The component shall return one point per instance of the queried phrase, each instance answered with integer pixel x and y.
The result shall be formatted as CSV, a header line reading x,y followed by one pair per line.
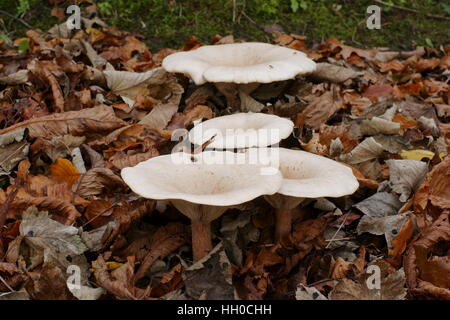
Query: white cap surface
x,y
204,181
242,130
246,62
307,175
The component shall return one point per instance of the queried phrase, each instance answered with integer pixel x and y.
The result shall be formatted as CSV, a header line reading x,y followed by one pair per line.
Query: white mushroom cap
x,y
203,181
242,130
307,175
240,63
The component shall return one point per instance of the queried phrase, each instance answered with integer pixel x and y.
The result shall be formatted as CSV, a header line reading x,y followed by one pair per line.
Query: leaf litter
x,y
78,107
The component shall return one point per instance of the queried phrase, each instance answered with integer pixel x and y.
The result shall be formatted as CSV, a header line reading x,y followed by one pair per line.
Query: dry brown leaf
x,y
63,171
160,116
333,73
163,242
427,272
321,108
37,67
391,286
435,190
99,119
122,160
119,282
99,180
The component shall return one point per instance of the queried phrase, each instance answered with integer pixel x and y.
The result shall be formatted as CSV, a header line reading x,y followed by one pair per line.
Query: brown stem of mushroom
x,y
201,239
283,223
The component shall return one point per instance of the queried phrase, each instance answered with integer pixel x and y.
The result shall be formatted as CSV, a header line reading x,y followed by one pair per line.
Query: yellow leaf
x,y
64,171
95,34
416,154
112,265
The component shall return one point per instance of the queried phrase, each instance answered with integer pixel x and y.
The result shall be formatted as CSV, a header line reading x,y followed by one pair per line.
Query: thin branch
x,y
26,24
6,284
410,10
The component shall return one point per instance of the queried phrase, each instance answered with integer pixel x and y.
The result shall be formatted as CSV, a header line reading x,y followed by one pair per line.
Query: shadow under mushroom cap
x,y
240,63
200,182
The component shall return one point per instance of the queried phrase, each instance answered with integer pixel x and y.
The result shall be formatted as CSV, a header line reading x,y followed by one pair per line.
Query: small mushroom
x,y
245,65
306,175
201,186
241,130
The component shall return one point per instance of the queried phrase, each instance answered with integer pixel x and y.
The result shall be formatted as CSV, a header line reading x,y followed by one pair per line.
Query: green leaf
x,y
23,6
446,8
24,45
294,6
5,38
429,42
303,4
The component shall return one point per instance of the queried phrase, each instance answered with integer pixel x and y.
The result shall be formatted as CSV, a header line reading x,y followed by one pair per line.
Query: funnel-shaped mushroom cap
x,y
240,63
242,130
205,181
307,175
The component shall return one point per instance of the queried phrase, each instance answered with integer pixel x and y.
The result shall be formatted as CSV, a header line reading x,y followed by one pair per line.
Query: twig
x,y
17,19
6,284
435,16
341,239
337,231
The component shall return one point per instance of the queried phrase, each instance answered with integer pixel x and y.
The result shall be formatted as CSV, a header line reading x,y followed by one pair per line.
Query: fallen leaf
x,y
64,171
211,277
321,108
392,286
99,119
333,73
160,116
406,176
381,204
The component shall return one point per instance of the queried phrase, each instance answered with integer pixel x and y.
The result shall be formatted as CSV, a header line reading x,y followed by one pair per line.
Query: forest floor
x,y
78,106
169,23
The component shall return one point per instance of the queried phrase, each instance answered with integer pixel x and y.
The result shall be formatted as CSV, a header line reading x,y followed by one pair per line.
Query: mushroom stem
x,y
201,238
283,223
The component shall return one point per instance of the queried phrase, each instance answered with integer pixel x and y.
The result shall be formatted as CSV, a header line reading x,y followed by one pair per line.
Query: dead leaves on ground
x,y
80,106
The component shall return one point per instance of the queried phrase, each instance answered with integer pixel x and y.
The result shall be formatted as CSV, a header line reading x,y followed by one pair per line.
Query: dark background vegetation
x,y
167,23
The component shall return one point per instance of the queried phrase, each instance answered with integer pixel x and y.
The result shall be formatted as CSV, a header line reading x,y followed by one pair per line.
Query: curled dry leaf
x,y
19,77
11,155
97,181
434,192
367,150
130,159
163,242
160,116
381,204
39,68
343,269
321,108
388,226
405,176
333,73
156,83
119,282
392,285
44,193
99,119
378,125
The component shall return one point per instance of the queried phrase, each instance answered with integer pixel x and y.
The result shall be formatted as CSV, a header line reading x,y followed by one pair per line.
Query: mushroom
x,y
306,175
245,65
201,186
241,130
